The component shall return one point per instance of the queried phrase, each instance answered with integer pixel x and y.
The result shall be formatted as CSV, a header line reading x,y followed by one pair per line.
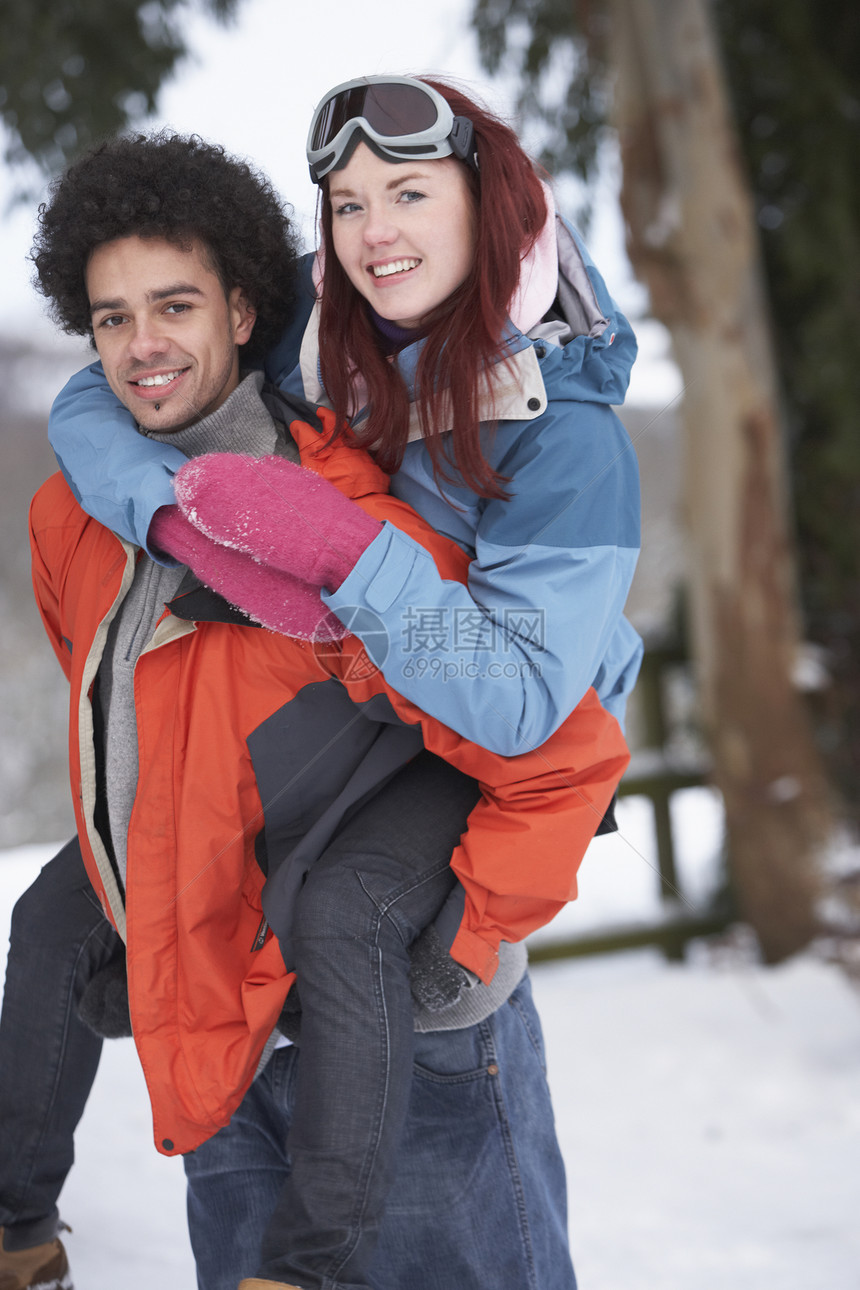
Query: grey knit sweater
x,y
241,424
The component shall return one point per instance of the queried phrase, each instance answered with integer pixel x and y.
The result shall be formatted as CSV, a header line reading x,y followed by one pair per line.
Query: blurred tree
x,y
74,71
691,214
794,73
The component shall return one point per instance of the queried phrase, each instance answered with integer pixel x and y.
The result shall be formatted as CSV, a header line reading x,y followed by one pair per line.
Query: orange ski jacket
x,y
251,746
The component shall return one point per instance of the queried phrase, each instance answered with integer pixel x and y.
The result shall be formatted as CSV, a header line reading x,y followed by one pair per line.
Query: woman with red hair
x,y
460,332
460,326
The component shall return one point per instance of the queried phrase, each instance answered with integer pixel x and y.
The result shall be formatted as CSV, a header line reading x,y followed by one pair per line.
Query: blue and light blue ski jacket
x,y
506,658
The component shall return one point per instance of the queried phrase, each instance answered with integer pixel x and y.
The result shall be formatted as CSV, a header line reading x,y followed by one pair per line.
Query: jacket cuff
x,y
471,952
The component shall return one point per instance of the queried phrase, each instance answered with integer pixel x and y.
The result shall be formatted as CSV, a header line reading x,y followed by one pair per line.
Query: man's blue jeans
x,y
48,1057
478,1199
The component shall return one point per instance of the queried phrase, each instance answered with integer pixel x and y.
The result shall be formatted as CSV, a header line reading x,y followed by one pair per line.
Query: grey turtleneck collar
x,y
241,424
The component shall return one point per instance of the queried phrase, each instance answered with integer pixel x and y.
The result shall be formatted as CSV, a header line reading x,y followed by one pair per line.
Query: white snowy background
x,y
708,1112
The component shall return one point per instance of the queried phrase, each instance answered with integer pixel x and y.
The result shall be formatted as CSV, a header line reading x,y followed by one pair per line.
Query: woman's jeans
x,y
380,882
478,1199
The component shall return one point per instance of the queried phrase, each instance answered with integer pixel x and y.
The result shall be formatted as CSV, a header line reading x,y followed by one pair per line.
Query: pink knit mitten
x,y
282,514
268,596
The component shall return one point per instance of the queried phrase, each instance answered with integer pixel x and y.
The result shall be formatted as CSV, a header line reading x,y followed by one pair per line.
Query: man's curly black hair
x,y
179,188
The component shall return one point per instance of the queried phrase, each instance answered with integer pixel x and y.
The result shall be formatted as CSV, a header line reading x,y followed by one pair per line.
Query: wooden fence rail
x,y
657,774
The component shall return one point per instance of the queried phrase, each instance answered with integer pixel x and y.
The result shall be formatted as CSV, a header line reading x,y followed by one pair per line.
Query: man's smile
x,y
157,385
162,379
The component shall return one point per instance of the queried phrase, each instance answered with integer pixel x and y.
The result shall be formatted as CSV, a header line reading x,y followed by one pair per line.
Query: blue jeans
x,y
478,1198
48,1057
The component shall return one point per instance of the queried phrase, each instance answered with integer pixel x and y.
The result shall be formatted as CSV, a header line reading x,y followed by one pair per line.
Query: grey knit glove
x,y
437,981
290,1020
104,1003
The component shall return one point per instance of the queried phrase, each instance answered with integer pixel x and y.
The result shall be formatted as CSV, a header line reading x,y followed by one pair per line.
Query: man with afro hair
x,y
204,750
180,189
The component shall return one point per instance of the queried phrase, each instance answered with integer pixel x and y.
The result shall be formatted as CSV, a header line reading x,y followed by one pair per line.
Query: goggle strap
x,y
462,141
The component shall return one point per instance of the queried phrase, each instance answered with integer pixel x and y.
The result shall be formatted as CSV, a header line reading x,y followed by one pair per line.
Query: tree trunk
x,y
692,240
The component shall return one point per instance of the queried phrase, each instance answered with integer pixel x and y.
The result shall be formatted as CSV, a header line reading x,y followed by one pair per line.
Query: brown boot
x,y
41,1267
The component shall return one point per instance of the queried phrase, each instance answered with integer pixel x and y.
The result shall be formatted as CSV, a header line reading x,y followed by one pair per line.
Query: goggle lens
x,y
390,110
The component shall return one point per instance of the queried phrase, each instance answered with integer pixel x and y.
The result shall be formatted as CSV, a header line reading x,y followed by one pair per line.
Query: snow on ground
x,y
709,1113
710,1122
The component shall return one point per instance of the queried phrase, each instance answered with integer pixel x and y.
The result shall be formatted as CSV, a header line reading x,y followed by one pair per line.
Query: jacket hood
x,y
559,277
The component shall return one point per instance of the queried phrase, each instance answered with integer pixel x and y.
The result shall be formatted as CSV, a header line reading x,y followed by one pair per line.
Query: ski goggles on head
x,y
402,119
